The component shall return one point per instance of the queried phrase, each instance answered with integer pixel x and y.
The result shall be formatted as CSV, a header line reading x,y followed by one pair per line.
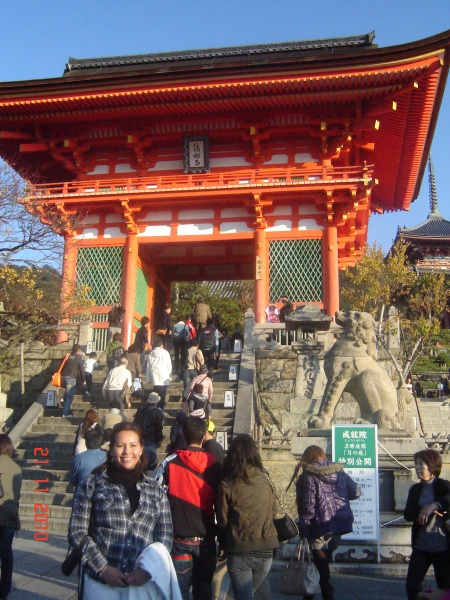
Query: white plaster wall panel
x,y
279,210
163,215
196,229
90,220
114,218
192,215
113,232
242,250
235,227
99,170
229,161
302,157
168,165
277,159
124,168
233,213
309,224
209,251
215,270
173,252
308,209
88,234
281,226
156,231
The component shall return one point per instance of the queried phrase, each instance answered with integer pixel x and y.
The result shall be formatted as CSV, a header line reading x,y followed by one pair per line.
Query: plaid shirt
x,y
117,537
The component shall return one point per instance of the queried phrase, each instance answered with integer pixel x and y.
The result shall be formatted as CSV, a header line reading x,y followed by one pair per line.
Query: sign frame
x,y
356,446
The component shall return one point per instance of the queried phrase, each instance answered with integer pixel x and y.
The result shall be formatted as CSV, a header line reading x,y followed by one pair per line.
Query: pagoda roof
x,y
434,227
389,97
81,64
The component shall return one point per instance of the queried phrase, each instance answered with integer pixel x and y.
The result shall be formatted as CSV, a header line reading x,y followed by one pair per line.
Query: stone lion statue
x,y
351,366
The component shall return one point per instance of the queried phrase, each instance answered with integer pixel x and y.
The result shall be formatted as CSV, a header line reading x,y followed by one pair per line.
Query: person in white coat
x,y
159,369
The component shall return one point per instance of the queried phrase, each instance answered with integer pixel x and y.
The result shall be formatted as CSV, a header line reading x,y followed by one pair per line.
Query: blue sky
x,y
37,38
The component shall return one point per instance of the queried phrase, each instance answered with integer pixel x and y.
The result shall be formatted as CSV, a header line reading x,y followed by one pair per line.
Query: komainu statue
x,y
351,366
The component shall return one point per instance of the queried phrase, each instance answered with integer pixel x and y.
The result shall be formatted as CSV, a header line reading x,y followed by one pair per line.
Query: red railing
x,y
242,178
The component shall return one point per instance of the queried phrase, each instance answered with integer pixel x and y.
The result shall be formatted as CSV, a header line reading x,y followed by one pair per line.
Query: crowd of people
x,y
163,528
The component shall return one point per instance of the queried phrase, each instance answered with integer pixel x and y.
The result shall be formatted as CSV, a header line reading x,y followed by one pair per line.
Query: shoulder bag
x,y
301,577
286,526
56,377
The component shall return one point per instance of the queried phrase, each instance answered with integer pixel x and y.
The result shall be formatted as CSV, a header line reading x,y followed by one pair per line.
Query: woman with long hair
x,y
246,507
426,502
117,512
324,492
90,420
11,478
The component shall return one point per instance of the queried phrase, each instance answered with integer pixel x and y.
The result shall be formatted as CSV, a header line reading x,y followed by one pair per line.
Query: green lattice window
x,y
140,304
101,270
295,270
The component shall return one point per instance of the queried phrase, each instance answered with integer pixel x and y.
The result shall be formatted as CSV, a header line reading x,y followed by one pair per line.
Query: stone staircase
x,y
45,453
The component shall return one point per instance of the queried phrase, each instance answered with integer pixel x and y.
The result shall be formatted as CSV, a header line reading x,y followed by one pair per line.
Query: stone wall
x,y
40,362
275,373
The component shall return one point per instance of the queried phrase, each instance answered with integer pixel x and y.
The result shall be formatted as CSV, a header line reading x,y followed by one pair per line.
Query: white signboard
x,y
232,376
229,399
356,446
222,438
237,346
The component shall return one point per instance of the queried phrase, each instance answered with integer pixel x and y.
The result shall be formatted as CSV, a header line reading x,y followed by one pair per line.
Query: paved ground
x,y
37,575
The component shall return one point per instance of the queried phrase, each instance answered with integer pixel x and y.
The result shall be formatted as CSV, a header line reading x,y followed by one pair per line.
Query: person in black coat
x,y
426,503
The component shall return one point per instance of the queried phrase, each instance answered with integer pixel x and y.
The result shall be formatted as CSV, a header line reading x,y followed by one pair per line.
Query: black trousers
x,y
419,563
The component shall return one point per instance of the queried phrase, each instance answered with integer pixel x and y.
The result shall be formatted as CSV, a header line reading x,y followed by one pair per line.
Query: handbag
x,y
161,331
286,526
71,561
57,377
301,577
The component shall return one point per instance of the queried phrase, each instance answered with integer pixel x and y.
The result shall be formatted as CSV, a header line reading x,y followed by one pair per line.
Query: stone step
x,y
52,474
56,499
56,525
57,487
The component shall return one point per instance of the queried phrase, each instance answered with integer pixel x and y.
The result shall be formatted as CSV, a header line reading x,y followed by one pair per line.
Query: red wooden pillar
x,y
261,275
330,271
69,269
130,257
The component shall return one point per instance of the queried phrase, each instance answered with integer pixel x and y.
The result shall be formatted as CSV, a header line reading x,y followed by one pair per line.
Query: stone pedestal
x,y
309,384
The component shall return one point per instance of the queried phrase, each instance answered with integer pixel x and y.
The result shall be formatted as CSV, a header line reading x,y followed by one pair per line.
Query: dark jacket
x,y
11,475
441,488
245,513
150,419
141,339
74,365
323,494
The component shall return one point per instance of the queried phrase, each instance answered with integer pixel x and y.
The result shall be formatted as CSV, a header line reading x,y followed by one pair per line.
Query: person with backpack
x,y
208,342
115,318
180,339
207,390
73,367
150,419
114,351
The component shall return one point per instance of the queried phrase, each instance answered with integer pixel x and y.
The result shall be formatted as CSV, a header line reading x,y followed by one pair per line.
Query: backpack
x,y
207,338
117,353
180,332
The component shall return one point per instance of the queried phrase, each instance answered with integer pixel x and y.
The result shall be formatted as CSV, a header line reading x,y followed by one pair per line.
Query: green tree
x,y
229,310
379,281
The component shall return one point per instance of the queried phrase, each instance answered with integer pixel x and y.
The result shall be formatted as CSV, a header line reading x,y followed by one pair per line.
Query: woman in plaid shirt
x,y
116,513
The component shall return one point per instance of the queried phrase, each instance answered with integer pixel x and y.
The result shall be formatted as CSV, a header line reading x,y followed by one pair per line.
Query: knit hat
x,y
153,398
198,413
